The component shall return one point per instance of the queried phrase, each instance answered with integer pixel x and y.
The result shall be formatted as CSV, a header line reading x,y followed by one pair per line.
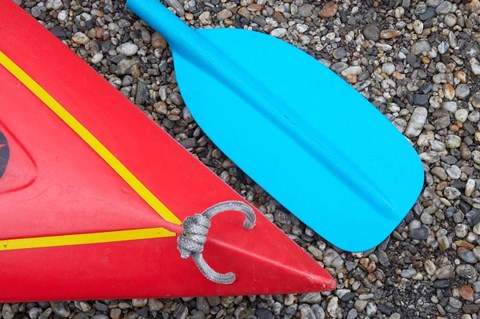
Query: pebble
x,y
127,49
461,230
445,272
461,115
470,187
61,309
62,16
7,311
54,4
415,125
278,32
224,14
306,10
360,305
466,271
444,7
389,34
80,38
420,233
408,273
449,91
332,307
263,313
450,106
158,42
475,100
427,14
371,32
329,10
352,314
311,298
466,255
418,26
462,91
466,292
475,65
420,47
306,312
97,58
453,141
450,20
430,267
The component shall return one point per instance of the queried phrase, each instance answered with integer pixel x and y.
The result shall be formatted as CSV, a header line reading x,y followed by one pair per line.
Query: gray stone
x,y
451,193
466,255
306,312
306,10
408,273
462,91
475,65
352,314
444,7
263,313
427,14
318,311
54,4
311,298
466,271
418,233
61,309
445,272
213,301
332,307
450,20
371,32
443,47
7,311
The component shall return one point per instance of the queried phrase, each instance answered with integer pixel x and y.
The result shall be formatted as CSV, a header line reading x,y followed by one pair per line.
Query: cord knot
x,y
194,237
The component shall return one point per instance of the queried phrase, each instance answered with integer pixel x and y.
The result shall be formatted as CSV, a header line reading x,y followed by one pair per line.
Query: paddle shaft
x,y
189,43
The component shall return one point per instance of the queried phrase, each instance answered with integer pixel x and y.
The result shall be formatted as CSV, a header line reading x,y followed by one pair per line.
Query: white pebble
x,y
469,189
461,115
97,57
279,32
388,68
62,16
418,26
128,49
415,125
475,66
453,141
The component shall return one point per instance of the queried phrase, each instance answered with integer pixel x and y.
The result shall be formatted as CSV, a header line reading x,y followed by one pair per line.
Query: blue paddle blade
x,y
297,129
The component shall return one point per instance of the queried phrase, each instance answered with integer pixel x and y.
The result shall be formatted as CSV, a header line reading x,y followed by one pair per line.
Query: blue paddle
x,y
295,127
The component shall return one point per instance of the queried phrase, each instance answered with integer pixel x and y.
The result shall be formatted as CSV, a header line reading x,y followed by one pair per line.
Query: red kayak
x,y
93,194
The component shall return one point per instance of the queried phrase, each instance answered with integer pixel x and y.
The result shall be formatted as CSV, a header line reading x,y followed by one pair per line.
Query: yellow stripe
x,y
83,239
91,140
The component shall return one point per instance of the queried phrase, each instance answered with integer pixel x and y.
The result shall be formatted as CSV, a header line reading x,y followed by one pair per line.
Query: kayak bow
x,y
90,194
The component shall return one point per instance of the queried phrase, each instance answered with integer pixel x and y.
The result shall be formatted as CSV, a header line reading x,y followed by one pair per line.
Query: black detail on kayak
x,y
4,153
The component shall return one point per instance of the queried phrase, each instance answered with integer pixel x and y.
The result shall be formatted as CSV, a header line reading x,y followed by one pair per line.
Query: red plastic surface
x,y
54,184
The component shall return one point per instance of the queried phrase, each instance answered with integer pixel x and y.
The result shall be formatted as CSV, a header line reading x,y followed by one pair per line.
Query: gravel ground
x,y
417,61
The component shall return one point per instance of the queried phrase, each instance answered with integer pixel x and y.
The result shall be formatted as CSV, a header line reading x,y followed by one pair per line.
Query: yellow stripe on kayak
x,y
90,139
83,239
